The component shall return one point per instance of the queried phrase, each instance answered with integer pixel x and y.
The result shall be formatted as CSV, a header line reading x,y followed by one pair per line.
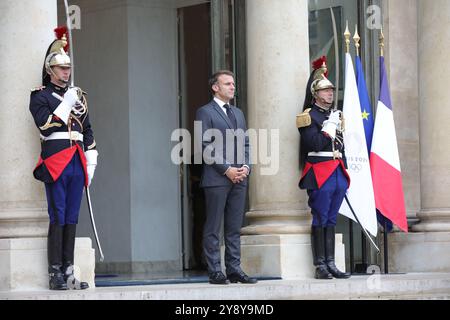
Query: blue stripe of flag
x,y
385,97
366,109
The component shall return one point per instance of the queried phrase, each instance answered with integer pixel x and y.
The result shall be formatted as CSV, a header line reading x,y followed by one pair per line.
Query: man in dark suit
x,y
226,167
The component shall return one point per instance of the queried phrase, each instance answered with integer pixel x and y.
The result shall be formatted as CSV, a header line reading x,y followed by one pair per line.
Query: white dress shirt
x,y
221,104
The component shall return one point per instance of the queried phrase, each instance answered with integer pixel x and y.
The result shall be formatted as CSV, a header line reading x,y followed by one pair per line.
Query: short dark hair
x,y
215,77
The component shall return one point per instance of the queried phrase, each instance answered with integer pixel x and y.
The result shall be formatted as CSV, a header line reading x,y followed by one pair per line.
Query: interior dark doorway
x,y
195,65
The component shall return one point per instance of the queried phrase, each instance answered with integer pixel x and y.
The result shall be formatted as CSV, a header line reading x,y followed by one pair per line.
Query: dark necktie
x,y
231,116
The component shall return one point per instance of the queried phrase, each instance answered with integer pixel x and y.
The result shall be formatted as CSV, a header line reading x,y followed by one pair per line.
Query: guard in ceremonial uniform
x,y
67,161
323,162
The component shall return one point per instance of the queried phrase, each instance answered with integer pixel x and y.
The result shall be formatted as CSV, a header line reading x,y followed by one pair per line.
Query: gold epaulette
x,y
304,119
40,88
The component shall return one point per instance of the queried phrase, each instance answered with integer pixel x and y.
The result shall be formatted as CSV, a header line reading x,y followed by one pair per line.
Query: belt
x,y
73,135
326,154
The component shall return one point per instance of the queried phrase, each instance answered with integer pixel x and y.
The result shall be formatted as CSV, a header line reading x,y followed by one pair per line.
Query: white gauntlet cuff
x,y
330,128
91,157
63,112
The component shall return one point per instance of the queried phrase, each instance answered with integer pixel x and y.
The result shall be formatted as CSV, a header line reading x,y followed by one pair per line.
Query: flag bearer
x,y
323,162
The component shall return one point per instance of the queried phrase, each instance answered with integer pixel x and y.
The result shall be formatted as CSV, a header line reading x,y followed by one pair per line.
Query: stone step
x,y
399,286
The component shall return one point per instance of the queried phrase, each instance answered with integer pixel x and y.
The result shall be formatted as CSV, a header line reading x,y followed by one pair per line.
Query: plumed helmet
x,y
317,81
56,54
320,80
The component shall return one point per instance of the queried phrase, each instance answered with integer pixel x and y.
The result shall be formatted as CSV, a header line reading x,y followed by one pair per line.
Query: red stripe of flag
x,y
388,191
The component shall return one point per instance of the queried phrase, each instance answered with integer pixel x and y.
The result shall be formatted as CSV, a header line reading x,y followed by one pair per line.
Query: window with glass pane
x,y
321,37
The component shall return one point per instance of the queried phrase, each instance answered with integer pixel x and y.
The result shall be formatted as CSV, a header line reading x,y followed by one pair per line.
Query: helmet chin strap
x,y
57,78
323,103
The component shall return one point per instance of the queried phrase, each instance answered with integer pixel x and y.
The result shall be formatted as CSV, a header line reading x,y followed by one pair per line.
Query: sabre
x,y
365,232
336,58
69,29
72,80
91,214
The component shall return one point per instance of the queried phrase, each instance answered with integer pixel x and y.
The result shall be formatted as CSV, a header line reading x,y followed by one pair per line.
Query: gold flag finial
x,y
347,36
357,38
381,42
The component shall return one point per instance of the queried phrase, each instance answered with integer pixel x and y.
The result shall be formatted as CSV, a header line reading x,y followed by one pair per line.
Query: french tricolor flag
x,y
384,159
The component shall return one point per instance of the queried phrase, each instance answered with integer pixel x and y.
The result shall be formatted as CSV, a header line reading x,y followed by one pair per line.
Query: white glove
x,y
335,117
332,124
91,161
65,107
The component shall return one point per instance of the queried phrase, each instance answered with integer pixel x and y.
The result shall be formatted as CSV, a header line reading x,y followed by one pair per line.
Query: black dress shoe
x,y
218,278
241,277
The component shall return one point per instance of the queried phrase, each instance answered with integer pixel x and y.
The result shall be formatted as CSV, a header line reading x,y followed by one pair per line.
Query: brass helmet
x,y
317,81
56,54
320,80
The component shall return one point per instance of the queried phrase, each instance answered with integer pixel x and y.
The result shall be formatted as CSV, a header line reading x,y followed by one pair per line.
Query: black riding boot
x,y
318,251
68,258
329,252
54,254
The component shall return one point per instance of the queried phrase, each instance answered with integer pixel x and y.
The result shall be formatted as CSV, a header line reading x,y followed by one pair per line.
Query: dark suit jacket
x,y
213,117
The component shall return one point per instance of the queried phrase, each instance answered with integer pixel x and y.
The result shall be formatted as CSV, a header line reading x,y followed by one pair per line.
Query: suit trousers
x,y
225,203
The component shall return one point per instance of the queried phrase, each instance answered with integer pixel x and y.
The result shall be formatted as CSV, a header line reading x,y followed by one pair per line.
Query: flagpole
x,y
356,39
350,229
347,36
385,246
385,234
381,43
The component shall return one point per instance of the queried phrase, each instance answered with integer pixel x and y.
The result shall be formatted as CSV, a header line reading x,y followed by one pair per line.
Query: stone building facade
x,y
135,60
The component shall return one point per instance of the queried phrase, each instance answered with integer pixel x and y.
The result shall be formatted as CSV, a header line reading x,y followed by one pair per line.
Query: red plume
x,y
59,32
319,62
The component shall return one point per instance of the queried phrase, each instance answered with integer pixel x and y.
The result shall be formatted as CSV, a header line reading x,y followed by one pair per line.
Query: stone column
x,y
434,69
27,30
277,240
427,247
